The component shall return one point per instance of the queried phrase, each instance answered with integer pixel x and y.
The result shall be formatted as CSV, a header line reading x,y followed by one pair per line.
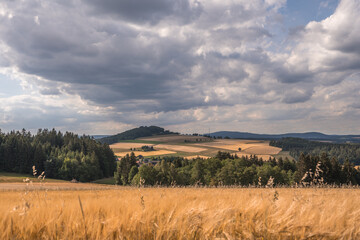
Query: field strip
x,y
52,186
145,154
128,145
180,148
176,138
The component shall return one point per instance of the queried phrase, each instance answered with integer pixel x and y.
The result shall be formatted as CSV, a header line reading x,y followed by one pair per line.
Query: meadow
x,y
180,213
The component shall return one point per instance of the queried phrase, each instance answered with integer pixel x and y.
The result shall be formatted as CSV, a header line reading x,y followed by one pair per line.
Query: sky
x,y
105,66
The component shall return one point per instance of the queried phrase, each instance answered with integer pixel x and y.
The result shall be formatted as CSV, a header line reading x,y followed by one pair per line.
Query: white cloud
x,y
37,20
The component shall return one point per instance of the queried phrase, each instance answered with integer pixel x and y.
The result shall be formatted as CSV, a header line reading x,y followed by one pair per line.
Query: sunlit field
x,y
180,213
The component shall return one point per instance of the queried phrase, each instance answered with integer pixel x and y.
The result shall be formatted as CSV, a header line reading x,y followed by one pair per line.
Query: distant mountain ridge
x,y
308,135
135,133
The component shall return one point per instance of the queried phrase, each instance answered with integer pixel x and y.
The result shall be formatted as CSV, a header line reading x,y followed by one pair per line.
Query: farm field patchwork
x,y
181,213
186,146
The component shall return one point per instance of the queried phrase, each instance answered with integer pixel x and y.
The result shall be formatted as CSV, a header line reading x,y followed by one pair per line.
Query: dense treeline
x,y
63,156
135,133
343,151
227,169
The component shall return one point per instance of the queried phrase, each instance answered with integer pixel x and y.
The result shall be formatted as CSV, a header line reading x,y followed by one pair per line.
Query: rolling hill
x,y
135,133
308,135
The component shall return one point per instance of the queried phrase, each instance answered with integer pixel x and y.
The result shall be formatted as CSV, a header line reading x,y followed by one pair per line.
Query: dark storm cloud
x,y
110,63
147,11
297,96
141,59
123,63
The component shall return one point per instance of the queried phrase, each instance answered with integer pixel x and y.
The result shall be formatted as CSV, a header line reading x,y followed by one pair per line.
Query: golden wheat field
x,y
181,213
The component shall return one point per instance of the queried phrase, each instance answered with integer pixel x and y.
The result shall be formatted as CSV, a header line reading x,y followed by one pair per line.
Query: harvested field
x,y
181,213
262,150
181,148
128,145
176,138
221,142
248,147
146,154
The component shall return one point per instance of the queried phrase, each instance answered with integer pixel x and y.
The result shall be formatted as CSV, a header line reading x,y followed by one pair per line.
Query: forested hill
x,y
308,135
63,156
341,151
135,133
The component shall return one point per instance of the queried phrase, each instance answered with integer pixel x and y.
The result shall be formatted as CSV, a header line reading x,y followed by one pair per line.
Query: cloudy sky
x,y
104,66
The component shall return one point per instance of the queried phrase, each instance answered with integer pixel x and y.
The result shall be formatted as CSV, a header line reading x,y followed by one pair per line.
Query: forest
x,y
69,156
341,151
226,169
62,156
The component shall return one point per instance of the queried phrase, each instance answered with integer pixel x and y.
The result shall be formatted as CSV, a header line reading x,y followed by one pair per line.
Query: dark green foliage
x,y
148,174
123,169
232,170
133,171
135,133
147,148
64,156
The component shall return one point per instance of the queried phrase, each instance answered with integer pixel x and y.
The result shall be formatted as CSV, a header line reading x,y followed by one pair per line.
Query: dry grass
x,y
146,154
181,213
